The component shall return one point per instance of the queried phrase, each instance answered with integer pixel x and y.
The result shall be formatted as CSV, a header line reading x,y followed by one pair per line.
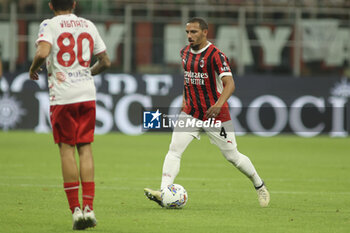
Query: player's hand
x,y
213,111
33,75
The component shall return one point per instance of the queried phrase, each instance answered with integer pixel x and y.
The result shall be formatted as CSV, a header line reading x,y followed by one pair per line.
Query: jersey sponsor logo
x,y
82,79
194,81
79,73
195,78
191,74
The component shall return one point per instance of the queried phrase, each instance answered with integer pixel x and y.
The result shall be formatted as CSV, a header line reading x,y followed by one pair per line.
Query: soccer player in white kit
x,y
208,83
67,43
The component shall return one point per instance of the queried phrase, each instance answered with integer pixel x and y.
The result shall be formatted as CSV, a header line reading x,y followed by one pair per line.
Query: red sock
x,y
72,191
88,194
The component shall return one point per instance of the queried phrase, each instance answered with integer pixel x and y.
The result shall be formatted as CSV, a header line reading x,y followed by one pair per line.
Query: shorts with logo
x,y
73,123
221,135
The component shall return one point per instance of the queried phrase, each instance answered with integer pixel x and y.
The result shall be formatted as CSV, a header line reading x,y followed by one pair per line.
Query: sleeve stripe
x,y
100,52
42,40
225,74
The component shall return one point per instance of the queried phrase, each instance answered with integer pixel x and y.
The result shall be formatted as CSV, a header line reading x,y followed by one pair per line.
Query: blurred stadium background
x,y
291,62
284,54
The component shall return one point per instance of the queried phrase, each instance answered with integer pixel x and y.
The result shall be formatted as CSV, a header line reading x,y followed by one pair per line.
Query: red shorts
x,y
73,123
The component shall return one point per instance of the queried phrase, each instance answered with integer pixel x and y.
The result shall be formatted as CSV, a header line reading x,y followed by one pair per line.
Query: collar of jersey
x,y
69,15
201,50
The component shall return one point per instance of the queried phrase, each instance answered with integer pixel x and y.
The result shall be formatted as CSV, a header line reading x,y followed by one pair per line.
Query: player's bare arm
x,y
229,88
102,63
42,52
183,101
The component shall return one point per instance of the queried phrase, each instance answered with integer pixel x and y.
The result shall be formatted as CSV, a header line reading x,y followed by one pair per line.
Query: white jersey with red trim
x,y
73,41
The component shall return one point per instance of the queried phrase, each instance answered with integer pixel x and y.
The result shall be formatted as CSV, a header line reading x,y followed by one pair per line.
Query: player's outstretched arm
x,y
102,63
42,52
229,88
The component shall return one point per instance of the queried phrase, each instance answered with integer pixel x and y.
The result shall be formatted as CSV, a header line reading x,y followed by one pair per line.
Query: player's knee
x,y
233,156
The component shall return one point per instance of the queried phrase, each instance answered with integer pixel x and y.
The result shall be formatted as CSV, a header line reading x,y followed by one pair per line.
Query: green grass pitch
x,y
308,179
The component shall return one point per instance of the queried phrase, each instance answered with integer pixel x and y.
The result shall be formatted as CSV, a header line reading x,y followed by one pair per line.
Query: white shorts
x,y
221,135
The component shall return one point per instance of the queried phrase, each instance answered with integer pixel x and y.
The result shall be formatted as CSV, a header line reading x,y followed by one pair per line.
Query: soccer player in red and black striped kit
x,y
208,83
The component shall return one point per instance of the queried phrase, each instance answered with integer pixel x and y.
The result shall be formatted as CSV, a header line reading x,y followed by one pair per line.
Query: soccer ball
x,y
174,196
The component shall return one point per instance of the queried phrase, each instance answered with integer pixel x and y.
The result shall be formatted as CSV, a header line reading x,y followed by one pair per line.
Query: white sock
x,y
171,168
171,165
243,164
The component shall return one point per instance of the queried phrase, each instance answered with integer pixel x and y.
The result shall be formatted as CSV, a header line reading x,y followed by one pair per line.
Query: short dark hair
x,y
62,5
202,23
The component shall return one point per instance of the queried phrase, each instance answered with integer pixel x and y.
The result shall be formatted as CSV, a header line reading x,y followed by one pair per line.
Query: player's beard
x,y
195,47
199,41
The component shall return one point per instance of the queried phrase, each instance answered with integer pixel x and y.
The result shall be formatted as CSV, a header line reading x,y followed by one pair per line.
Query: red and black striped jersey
x,y
203,71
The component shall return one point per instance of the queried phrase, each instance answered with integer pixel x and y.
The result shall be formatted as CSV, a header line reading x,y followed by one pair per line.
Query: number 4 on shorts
x,y
223,132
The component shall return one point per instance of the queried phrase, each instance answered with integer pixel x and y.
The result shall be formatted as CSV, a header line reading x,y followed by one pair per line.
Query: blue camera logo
x,y
151,119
